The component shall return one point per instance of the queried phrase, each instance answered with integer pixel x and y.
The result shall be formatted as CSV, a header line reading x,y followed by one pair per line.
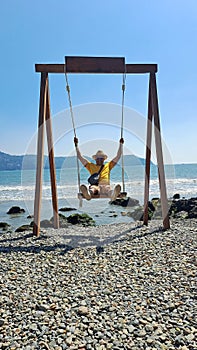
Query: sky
x,y
162,32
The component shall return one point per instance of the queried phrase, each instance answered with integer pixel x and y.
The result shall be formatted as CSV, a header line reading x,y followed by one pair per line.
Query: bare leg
x,y
116,192
85,192
106,190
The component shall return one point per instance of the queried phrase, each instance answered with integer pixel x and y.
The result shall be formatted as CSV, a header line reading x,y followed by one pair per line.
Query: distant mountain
x,y
131,159
11,162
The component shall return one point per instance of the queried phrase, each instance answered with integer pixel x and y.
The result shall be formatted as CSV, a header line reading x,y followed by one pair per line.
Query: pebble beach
x,y
118,286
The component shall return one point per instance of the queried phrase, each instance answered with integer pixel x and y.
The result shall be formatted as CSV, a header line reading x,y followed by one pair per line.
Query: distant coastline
x,y
28,162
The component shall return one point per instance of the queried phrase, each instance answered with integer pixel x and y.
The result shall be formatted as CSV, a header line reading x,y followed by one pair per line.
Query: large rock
x,y
46,223
67,209
4,226
82,219
188,206
176,196
179,208
138,213
192,214
50,223
24,228
63,223
126,202
16,210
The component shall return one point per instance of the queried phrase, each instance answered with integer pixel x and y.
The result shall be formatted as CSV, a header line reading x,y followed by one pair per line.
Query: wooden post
x,y
161,173
51,159
40,154
148,156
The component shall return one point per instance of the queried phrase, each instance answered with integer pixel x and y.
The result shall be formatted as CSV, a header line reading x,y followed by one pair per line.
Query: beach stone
x,y
137,293
179,340
83,310
69,340
41,307
190,337
4,226
67,209
33,326
176,196
182,214
16,210
131,328
99,249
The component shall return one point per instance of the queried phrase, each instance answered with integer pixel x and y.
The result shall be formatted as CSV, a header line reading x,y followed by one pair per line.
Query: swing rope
x,y
73,123
74,130
122,124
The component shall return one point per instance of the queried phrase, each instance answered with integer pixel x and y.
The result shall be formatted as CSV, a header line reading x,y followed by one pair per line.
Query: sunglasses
x,y
99,158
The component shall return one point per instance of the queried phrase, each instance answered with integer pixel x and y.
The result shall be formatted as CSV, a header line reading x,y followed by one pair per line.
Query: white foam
x,y
183,186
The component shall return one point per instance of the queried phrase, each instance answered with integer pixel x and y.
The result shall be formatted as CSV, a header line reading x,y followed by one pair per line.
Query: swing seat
x,y
102,195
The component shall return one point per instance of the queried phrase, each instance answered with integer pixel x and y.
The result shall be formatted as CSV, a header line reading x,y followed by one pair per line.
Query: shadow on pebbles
x,y
122,286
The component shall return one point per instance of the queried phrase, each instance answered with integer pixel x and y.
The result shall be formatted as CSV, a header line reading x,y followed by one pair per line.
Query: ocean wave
x,y
135,188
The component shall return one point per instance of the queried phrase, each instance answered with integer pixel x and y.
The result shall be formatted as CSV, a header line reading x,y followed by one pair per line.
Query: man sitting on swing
x,y
103,171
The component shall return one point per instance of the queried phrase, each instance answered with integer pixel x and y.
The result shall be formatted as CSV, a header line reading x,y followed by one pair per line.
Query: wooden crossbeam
x,y
95,64
140,68
50,68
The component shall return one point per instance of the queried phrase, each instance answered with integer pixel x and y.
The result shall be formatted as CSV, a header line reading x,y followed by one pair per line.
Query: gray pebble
x,y
137,294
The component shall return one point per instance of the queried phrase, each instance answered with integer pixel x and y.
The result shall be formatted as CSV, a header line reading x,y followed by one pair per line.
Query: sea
x,y
17,188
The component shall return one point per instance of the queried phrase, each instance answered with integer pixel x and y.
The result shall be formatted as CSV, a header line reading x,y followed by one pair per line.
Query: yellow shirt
x,y
104,176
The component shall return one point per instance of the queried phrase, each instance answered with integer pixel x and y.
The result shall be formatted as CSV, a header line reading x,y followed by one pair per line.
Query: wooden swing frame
x,y
96,65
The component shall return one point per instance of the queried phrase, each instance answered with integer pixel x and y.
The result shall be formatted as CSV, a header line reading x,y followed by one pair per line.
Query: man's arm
x,y
119,153
83,160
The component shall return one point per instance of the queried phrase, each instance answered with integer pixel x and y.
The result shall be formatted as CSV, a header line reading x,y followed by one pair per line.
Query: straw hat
x,y
99,154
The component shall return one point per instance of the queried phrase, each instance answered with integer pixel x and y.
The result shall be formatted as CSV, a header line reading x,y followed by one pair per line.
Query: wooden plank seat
x,y
102,195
